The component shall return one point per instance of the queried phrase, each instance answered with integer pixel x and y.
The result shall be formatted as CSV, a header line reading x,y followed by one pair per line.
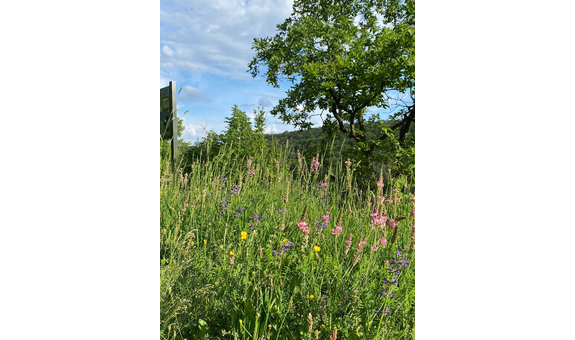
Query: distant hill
x,y
298,140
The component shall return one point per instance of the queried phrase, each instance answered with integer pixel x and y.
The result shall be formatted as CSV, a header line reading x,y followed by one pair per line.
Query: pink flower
x,y
324,185
283,227
391,224
361,244
374,248
302,225
252,172
383,241
337,231
305,230
380,184
348,242
380,220
326,218
413,212
314,164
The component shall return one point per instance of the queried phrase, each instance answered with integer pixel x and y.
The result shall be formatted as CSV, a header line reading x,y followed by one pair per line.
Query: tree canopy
x,y
343,57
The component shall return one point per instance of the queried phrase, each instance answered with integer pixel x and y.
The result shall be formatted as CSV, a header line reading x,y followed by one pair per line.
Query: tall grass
x,y
237,263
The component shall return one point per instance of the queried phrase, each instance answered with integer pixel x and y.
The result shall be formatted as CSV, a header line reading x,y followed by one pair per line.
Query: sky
x,y
205,47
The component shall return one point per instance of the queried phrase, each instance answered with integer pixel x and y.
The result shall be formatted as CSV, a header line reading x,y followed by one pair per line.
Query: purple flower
x,y
274,252
254,217
387,311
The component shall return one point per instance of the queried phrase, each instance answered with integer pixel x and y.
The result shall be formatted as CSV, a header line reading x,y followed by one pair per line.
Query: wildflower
x,y
191,234
302,225
231,252
373,215
380,184
287,246
383,241
361,245
316,249
310,320
315,164
273,251
311,297
387,311
333,335
374,248
283,227
324,185
252,172
337,231
244,235
391,224
348,245
326,218
205,241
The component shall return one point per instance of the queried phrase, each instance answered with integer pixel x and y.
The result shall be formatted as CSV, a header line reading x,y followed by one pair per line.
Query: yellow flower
x,y
322,325
244,235
205,241
232,252
311,297
317,249
284,240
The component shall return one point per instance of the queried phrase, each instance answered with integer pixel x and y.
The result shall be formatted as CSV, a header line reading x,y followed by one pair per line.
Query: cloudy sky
x,y
205,46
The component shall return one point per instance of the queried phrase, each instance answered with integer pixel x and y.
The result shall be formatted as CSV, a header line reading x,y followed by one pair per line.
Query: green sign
x,y
169,119
166,116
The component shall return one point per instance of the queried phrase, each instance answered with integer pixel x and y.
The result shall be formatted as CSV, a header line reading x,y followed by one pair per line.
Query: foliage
x,y
246,139
343,57
258,242
236,262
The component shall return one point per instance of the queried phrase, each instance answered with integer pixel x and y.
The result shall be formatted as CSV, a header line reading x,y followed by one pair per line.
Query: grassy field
x,y
261,248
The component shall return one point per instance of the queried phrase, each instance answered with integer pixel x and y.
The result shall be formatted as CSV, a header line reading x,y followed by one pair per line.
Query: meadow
x,y
282,248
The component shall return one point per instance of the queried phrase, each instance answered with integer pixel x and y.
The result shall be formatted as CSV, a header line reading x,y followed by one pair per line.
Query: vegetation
x,y
311,234
250,250
343,57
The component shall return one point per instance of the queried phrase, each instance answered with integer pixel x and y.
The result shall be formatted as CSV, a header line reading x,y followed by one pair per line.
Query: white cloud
x,y
215,36
271,129
264,102
192,94
167,51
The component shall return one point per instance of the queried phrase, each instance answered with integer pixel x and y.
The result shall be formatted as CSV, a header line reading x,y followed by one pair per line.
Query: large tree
x,y
343,57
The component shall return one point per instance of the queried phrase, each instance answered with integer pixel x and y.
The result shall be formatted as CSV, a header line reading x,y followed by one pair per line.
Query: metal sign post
x,y
169,119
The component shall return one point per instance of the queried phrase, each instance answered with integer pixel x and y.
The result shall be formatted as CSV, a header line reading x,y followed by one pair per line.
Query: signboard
x,y
169,119
166,119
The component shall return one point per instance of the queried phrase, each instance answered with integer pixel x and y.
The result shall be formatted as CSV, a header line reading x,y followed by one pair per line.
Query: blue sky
x,y
205,46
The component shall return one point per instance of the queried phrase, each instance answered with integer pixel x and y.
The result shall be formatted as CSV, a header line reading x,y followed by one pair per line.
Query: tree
x,y
241,134
343,57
